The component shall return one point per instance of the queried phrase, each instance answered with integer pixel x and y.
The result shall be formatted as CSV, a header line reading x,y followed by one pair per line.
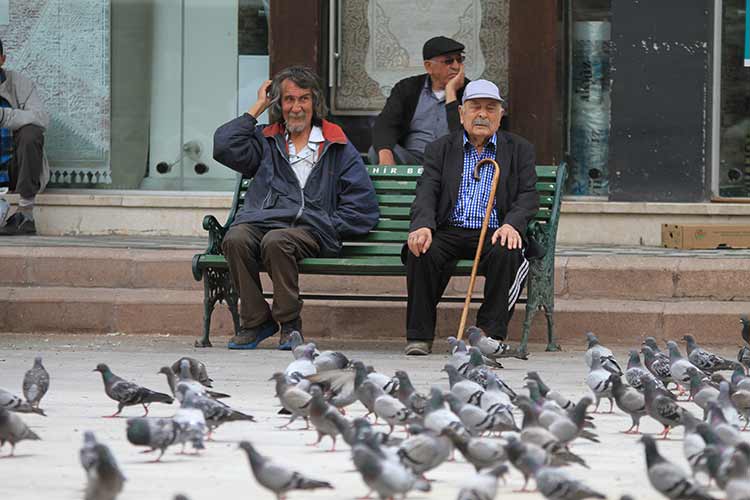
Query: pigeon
x,y
693,443
35,383
547,393
13,430
298,345
320,417
658,365
728,405
424,450
477,370
465,390
727,432
276,477
483,485
406,393
302,367
630,401
156,433
342,386
738,478
388,384
11,402
516,451
293,399
556,483
678,365
479,452
192,425
330,360
104,478
386,476
741,400
743,355
669,479
705,360
385,406
739,380
437,417
661,408
636,371
198,370
598,382
215,412
492,348
476,420
701,391
128,393
605,356
459,357
191,384
567,428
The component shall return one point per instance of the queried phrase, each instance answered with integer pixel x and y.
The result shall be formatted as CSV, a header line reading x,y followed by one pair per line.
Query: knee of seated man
x,y
233,238
274,241
28,134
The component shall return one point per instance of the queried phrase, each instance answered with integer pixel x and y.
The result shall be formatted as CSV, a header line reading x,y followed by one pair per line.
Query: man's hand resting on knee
x,y
420,240
507,234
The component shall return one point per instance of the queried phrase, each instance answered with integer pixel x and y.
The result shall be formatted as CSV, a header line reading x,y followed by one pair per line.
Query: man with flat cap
x,y
421,108
447,215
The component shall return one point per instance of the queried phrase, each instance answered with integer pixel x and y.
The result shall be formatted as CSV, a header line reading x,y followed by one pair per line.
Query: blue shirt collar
x,y
493,140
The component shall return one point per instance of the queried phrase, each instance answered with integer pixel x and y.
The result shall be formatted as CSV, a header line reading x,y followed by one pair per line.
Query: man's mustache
x,y
481,121
301,114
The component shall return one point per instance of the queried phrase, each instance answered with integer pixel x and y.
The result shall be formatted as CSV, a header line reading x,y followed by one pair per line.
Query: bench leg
x,y
209,301
552,346
232,299
530,312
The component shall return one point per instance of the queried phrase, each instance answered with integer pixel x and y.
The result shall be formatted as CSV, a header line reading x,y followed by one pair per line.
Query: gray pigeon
x,y
678,365
741,400
491,348
465,390
705,360
475,419
321,417
738,478
192,426
669,479
104,478
636,371
483,485
547,393
198,370
437,417
659,366
293,399
630,401
517,450
385,476
13,430
11,402
459,357
598,381
739,380
330,360
35,383
156,433
424,450
301,368
605,356
693,444
477,370
701,391
728,405
558,484
479,452
215,412
406,393
388,408
276,477
191,384
128,393
661,408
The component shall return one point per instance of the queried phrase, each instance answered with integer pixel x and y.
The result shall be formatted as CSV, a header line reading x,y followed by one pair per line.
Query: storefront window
x,y
734,149
135,90
589,99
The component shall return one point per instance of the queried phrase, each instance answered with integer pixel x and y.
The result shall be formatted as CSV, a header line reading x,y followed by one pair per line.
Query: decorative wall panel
x,y
63,46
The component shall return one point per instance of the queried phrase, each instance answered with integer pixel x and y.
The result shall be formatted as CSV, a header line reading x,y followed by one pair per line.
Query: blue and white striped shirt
x,y
473,195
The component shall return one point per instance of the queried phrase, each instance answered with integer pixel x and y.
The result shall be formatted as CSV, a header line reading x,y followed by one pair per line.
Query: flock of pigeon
x,y
491,425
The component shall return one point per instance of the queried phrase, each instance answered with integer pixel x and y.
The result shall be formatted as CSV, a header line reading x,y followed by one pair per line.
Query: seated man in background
x,y
421,108
310,188
447,215
22,125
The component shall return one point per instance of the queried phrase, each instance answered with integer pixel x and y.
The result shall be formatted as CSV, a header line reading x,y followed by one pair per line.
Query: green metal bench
x,y
379,252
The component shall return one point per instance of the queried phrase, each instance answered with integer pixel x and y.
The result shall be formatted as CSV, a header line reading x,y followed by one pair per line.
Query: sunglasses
x,y
449,60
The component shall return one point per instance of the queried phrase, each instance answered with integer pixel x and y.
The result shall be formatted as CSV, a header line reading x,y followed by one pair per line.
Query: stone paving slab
x,y
49,469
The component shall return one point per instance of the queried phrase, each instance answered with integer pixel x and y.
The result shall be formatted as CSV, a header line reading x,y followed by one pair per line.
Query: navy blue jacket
x,y
338,199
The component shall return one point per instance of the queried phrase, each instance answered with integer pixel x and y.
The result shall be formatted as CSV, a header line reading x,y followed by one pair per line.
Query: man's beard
x,y
297,126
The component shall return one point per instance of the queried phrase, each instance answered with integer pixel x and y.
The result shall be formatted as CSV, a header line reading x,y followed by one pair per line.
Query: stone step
x,y
616,276
180,312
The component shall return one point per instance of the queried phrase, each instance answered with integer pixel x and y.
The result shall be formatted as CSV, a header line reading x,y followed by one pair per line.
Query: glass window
x,y
589,98
734,148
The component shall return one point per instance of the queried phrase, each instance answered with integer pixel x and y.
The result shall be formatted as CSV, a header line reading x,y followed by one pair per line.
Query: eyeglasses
x,y
450,60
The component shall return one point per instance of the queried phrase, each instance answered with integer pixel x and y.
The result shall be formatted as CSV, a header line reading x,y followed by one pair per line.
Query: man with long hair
x,y
309,189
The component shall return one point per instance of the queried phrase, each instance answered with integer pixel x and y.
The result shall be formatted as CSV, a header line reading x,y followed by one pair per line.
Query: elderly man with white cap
x,y
447,215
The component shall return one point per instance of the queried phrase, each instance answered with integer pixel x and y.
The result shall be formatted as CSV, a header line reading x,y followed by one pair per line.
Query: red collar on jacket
x,y
331,132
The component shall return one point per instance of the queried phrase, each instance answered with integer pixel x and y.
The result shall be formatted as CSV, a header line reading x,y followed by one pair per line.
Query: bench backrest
x,y
395,187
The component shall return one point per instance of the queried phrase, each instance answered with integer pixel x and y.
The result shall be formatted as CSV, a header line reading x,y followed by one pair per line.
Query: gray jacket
x,y
25,109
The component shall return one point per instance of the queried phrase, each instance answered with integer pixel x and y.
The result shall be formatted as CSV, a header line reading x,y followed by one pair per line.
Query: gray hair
x,y
304,78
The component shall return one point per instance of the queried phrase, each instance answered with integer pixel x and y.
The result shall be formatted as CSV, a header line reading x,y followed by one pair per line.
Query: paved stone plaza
x,y
76,402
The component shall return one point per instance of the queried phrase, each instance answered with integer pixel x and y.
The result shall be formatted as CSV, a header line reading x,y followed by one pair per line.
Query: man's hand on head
x,y
508,236
419,241
454,85
263,101
385,157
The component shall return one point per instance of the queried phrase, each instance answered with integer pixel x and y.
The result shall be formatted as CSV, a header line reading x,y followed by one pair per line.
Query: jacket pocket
x,y
270,200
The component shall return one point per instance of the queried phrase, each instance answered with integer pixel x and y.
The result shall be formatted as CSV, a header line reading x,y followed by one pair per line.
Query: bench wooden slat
x,y
370,249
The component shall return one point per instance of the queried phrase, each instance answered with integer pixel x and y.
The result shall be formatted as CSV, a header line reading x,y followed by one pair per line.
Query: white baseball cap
x,y
479,89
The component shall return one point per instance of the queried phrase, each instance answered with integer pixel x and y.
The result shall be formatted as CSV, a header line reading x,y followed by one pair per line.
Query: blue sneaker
x,y
249,338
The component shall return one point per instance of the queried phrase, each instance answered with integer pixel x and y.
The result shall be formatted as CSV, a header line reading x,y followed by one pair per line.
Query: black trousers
x,y
25,169
427,276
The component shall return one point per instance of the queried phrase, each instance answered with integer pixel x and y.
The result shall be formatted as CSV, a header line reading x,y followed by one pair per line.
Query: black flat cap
x,y
440,45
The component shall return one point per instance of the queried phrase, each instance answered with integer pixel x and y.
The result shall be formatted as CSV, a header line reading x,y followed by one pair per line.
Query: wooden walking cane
x,y
482,234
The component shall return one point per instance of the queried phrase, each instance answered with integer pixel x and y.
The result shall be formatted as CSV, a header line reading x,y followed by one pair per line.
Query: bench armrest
x,y
216,234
